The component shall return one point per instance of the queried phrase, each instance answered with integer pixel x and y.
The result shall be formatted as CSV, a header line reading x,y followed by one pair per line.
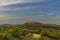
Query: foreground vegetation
x,y
30,31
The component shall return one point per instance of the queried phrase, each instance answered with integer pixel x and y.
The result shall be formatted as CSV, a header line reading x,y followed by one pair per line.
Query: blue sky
x,y
20,11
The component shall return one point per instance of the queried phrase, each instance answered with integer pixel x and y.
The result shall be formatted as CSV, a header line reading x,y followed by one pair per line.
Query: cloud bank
x,y
8,2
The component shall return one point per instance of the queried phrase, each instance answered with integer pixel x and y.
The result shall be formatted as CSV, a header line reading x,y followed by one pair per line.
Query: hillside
x,y
38,25
30,31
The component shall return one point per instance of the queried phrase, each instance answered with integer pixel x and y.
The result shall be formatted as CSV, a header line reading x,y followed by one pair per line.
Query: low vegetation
x,y
30,31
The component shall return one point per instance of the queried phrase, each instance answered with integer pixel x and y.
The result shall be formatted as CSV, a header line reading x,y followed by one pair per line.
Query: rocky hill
x,y
38,24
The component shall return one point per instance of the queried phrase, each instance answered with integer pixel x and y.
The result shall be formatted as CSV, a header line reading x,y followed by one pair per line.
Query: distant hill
x,y
30,24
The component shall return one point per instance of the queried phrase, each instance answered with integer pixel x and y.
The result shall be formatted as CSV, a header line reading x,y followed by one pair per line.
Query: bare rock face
x,y
29,22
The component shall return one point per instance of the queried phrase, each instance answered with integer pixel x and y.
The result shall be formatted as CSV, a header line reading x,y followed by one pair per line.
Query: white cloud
x,y
50,14
4,9
56,17
8,2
